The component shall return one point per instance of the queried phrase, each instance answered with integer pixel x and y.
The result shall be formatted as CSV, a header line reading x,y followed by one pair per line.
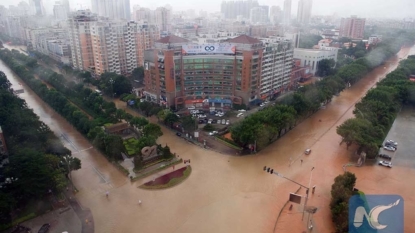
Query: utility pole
x,y
308,192
272,172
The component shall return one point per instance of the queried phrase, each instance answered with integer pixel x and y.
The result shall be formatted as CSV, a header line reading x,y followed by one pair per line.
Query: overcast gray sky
x,y
362,8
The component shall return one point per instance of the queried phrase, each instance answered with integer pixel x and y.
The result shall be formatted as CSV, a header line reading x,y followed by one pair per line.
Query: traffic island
x,y
168,180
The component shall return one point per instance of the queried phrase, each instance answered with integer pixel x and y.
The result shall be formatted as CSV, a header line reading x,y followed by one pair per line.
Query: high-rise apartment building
x,y
258,15
80,24
287,12
14,26
146,36
114,9
104,45
163,17
22,9
143,14
275,15
276,66
37,7
352,27
113,46
233,9
123,9
304,11
60,11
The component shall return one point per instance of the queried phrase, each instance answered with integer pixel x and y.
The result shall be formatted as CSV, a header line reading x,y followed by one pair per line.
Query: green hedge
x,y
18,221
228,142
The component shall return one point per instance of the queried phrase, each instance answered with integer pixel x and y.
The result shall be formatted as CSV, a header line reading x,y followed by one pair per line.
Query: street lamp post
x,y
308,191
271,171
68,160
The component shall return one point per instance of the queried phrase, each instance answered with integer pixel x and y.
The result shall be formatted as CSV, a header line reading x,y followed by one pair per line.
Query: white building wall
x,y
312,57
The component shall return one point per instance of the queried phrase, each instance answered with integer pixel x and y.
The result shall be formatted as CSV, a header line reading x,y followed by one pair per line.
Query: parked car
x,y
44,228
201,115
385,156
191,107
212,113
239,114
201,121
210,121
178,134
213,133
262,105
386,164
214,121
392,142
241,110
223,121
227,122
307,152
389,148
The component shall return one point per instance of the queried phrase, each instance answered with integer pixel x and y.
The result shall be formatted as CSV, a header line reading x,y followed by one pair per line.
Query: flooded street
x,y
229,193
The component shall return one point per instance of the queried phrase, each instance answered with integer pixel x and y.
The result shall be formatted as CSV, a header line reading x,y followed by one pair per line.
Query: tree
x,y
138,73
341,191
145,107
122,85
138,122
162,114
35,175
166,152
114,146
170,119
309,40
152,130
189,123
325,67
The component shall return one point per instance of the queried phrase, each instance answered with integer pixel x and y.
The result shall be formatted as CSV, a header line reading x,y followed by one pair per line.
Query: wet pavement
x,y
231,193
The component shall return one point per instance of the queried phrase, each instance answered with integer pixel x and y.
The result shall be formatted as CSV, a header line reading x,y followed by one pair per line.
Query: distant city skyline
x,y
369,8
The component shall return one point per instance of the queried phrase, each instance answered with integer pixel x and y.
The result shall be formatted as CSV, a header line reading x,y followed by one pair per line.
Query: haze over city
x,y
247,116
369,8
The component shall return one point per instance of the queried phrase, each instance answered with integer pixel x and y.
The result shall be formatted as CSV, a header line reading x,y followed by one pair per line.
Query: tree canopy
x,y
34,155
376,112
341,191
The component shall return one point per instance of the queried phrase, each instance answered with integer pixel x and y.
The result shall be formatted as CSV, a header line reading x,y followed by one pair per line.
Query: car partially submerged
x,y
385,156
45,228
389,148
385,163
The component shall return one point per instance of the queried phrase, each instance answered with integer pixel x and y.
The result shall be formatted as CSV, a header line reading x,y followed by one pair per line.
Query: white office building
x,y
312,57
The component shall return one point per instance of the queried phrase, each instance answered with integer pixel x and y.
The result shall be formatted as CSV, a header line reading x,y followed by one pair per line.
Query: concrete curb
x,y
279,214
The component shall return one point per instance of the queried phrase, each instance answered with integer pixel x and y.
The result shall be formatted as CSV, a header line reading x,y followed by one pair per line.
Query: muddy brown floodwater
x,y
229,193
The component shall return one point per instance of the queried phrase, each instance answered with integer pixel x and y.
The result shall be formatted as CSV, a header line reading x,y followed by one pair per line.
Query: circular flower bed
x,y
168,180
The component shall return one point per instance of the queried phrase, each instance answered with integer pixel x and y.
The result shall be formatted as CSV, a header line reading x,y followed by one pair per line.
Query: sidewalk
x,y
84,215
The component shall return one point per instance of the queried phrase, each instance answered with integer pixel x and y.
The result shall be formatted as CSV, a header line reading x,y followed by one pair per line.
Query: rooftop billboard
x,y
209,49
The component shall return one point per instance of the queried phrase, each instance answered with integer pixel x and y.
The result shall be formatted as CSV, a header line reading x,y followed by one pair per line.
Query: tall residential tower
x,y
304,11
287,12
352,27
